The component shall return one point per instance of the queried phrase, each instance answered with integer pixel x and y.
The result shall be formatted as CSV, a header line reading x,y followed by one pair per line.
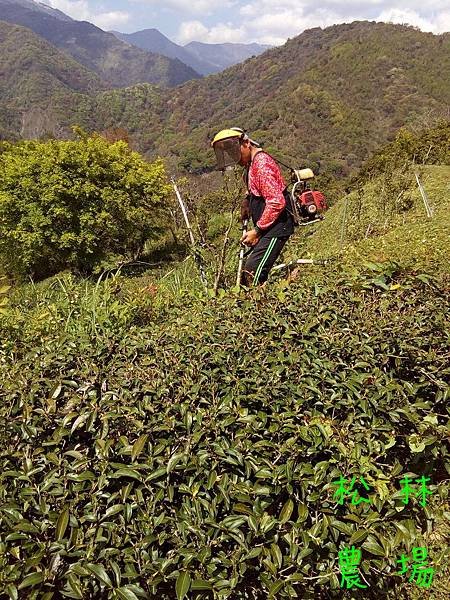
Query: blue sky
x,y
264,21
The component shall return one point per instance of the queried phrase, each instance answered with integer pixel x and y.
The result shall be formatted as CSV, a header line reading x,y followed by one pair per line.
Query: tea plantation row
x,y
189,448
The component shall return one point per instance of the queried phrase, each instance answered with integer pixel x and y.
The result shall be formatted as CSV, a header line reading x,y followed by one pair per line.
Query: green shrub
x,y
4,288
195,448
429,146
75,204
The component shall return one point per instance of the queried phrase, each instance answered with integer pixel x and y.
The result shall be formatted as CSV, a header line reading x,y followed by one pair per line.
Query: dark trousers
x,y
261,260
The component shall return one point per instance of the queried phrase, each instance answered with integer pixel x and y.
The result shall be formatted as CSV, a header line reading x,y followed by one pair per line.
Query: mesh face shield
x,y
228,152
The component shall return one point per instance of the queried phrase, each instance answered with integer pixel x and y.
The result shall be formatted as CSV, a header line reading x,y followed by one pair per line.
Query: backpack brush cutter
x,y
308,205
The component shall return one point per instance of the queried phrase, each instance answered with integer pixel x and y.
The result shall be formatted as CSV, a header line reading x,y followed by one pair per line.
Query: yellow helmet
x,y
226,146
224,134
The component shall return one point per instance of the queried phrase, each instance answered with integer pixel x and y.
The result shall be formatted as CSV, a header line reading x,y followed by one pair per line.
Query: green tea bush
x,y
190,452
4,289
75,204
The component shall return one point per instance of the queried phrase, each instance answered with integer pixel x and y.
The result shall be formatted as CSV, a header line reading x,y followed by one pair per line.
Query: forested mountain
x,y
114,61
33,69
203,58
33,76
330,96
221,56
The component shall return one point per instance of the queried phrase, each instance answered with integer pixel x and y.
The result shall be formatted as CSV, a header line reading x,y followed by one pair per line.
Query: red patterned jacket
x,y
265,179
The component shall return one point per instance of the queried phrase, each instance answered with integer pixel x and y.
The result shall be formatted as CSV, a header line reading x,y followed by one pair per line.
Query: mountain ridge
x,y
203,58
153,40
225,55
33,74
358,81
114,61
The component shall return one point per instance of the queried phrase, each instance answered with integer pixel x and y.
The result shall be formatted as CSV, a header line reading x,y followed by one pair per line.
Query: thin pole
x,y
424,198
184,211
344,218
241,254
191,235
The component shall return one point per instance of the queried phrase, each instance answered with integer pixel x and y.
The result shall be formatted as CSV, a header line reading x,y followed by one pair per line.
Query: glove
x,y
245,209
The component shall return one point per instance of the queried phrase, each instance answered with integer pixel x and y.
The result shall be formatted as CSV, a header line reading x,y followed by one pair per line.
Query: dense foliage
x,y
4,288
189,448
75,204
430,145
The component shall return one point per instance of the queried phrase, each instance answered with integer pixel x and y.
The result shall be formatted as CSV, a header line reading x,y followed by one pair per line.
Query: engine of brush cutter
x,y
308,205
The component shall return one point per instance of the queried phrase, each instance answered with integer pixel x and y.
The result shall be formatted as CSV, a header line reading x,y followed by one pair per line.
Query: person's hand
x,y
250,238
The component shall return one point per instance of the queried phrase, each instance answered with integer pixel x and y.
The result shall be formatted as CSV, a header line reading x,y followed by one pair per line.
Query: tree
x,y
76,204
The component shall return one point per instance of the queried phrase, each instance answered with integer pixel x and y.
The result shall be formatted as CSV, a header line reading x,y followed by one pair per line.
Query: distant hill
x,y
203,58
326,98
26,59
114,61
35,76
222,56
154,41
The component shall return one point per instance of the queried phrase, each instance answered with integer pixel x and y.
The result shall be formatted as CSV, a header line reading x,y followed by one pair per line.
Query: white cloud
x,y
273,21
111,20
77,9
80,10
443,22
218,34
195,7
192,31
437,24
264,21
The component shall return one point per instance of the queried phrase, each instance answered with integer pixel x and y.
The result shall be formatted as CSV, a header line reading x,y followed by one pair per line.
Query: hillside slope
x,y
33,70
334,94
114,61
330,96
36,77
385,218
372,228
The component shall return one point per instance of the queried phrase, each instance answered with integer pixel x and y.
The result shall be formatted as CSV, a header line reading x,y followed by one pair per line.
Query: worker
x,y
268,202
